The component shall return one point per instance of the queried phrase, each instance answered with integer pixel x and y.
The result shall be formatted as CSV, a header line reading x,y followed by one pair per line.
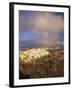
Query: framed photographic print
x,y
39,44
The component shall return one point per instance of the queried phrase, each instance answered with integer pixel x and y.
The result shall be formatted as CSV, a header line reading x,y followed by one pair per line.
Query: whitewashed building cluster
x,y
30,54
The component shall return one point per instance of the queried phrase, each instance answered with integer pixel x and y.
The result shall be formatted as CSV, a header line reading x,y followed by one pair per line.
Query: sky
x,y
40,28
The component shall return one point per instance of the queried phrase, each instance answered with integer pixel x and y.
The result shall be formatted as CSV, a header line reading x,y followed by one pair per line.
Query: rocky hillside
x,y
41,63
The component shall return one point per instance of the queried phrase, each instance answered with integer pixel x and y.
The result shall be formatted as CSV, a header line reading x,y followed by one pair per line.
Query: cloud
x,y
47,25
25,23
40,21
49,21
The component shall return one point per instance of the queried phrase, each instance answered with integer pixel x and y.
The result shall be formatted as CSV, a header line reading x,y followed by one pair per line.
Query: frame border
x,y
11,42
